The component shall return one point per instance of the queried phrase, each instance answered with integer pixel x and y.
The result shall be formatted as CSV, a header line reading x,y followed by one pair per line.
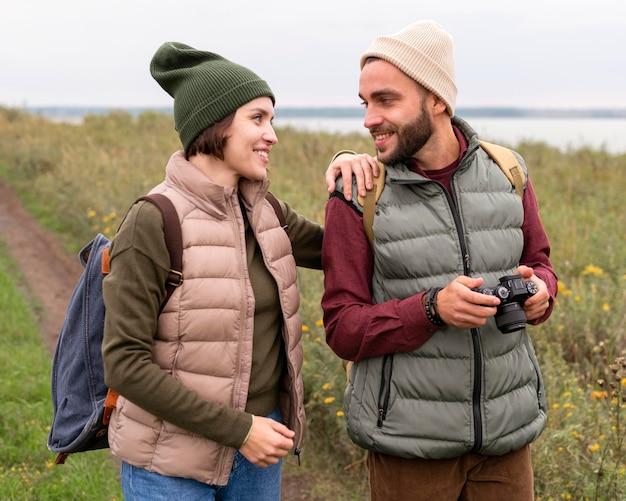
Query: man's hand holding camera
x,y
467,303
536,305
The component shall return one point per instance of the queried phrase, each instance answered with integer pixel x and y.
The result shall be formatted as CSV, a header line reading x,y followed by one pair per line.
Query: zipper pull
x,y
297,454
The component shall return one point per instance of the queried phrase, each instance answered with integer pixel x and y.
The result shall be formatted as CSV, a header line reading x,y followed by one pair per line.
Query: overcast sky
x,y
535,54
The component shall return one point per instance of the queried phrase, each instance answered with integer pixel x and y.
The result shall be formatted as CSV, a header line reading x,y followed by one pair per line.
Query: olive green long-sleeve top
x,y
139,254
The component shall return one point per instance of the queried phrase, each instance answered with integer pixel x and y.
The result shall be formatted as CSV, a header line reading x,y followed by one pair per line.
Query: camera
x,y
512,291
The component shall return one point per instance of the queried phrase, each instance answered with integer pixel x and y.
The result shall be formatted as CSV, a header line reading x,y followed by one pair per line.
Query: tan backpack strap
x,y
368,202
369,207
508,163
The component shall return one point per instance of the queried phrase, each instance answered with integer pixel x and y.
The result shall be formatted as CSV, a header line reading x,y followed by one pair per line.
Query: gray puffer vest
x,y
464,390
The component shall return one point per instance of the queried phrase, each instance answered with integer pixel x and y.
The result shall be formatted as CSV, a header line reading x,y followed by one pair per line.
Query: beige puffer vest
x,y
216,292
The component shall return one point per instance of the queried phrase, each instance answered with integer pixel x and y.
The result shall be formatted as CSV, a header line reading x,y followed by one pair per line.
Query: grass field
x,y
79,179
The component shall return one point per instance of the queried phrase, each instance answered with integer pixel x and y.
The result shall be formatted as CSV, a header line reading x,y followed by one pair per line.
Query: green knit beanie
x,y
205,86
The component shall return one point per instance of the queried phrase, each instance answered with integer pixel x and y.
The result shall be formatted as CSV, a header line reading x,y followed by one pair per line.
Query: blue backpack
x,y
81,401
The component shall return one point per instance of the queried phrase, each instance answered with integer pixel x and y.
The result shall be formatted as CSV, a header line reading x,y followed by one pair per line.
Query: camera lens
x,y
510,318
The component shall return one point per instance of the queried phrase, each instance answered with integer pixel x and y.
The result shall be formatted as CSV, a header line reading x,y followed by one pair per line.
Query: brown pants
x,y
471,477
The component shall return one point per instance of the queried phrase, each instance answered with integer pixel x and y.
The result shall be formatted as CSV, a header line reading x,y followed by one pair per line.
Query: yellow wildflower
x,y
320,323
325,386
329,400
305,328
599,395
91,214
594,448
606,307
593,270
339,413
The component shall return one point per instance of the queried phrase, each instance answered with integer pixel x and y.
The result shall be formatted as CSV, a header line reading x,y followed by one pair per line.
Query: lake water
x,y
608,134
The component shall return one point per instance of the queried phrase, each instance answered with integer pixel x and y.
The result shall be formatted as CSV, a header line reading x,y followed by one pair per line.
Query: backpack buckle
x,y
175,278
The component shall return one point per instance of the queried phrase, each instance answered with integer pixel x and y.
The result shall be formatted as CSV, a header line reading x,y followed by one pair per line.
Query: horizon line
x,y
352,111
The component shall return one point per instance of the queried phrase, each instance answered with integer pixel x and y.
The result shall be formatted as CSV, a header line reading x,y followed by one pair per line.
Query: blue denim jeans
x,y
246,482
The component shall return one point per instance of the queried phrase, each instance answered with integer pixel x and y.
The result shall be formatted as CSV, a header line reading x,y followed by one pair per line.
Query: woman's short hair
x,y
211,141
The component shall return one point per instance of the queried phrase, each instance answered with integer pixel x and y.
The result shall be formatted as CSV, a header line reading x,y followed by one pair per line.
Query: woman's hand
x,y
268,441
363,166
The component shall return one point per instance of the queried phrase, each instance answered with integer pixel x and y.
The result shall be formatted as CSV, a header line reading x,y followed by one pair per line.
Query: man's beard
x,y
410,137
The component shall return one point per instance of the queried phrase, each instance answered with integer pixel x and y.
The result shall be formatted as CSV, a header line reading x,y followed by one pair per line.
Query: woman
x,y
205,386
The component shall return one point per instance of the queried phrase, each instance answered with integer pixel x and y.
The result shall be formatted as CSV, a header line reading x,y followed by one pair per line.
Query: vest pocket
x,y
385,389
538,379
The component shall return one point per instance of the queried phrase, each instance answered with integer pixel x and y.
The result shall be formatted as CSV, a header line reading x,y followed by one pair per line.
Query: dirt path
x,y
50,275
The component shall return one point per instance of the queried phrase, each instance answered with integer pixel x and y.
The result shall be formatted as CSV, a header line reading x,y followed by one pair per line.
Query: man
x,y
445,402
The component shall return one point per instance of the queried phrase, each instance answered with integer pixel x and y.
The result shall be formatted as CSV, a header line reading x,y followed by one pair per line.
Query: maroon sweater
x,y
356,328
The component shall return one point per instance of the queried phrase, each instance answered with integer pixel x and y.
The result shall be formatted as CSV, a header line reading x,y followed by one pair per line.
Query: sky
x,y
555,54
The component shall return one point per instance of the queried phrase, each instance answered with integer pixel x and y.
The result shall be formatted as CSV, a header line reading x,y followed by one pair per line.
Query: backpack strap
x,y
508,163
173,241
368,202
174,244
277,209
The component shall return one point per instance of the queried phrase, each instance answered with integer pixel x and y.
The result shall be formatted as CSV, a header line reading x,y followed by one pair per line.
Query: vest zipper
x,y
385,389
478,357
238,231
477,388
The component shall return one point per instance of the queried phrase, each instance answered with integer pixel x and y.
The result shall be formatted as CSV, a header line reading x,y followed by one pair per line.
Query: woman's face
x,y
250,139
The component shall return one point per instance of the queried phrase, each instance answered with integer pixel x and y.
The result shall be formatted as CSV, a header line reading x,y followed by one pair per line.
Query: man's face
x,y
396,113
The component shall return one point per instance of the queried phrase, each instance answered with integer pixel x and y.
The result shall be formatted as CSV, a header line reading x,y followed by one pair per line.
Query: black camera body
x,y
512,291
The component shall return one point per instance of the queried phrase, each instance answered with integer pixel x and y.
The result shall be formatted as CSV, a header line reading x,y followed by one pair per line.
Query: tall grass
x,y
80,179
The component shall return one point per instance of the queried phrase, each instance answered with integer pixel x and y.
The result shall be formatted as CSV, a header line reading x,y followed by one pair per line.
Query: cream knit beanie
x,y
424,52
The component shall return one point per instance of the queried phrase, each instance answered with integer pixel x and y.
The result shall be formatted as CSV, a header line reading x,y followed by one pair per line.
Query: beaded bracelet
x,y
430,307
